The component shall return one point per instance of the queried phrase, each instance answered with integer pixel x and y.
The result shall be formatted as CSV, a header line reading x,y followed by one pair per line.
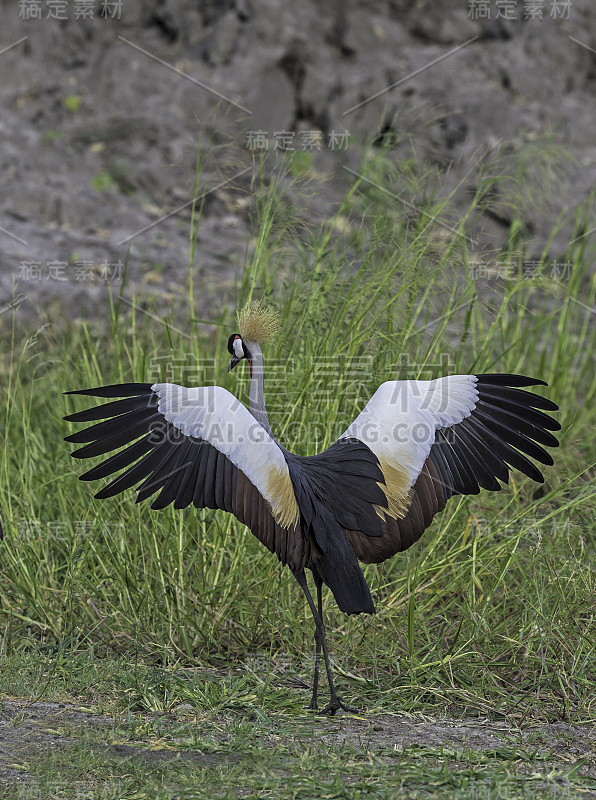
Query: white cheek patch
x,y
238,349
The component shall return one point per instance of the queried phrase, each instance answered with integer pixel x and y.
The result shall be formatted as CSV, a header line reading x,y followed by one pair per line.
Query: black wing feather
x,y
508,379
486,447
117,390
199,493
187,485
181,461
514,438
161,474
113,409
138,472
465,482
481,473
118,439
502,429
519,397
122,459
114,426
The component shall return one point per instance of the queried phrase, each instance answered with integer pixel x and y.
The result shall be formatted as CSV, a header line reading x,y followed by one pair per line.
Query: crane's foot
x,y
335,704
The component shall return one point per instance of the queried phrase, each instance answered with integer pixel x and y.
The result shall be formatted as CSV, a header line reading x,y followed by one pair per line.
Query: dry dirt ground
x,y
30,730
100,119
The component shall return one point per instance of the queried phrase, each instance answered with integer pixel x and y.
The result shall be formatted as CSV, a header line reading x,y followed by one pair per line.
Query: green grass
x,y
491,613
153,732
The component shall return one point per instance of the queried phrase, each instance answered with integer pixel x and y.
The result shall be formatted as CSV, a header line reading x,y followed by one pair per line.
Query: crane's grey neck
x,y
256,397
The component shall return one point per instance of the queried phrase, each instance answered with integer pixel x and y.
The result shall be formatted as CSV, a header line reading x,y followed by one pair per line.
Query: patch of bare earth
x,y
29,731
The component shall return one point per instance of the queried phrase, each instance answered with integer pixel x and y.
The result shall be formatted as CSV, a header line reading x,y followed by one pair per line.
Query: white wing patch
x,y
400,420
215,415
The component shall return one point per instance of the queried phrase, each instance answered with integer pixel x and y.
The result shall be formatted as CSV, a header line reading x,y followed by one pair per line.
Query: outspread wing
x,y
415,444
198,446
449,436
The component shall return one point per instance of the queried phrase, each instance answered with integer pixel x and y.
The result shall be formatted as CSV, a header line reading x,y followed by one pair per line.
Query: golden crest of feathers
x,y
258,322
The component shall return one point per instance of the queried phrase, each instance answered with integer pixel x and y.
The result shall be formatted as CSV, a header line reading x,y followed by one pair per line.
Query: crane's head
x,y
238,350
257,322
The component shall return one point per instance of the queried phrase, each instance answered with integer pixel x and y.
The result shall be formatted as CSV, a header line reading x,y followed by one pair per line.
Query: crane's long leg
x,y
313,706
335,702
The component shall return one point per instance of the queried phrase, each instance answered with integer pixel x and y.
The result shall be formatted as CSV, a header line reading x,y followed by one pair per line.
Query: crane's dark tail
x,y
338,568
335,562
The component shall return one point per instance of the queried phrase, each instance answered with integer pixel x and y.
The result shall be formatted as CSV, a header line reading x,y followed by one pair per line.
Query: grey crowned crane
x,y
370,495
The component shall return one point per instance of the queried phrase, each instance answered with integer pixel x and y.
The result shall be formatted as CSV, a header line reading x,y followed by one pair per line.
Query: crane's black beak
x,y
233,363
